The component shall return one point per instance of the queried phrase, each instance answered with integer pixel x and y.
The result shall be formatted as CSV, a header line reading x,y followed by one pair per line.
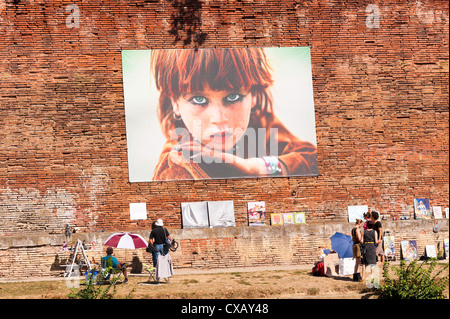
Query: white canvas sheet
x,y
194,215
221,214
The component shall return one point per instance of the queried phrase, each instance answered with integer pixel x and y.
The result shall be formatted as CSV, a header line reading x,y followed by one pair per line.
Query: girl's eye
x,y
233,97
199,100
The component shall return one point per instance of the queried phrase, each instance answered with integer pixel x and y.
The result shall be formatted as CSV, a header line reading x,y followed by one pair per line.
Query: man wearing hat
x,y
158,237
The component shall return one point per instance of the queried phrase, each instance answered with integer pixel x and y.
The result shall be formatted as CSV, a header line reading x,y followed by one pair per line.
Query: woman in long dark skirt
x,y
370,238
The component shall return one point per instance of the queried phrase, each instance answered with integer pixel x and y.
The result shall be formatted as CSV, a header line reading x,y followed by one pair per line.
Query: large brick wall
x,y
206,248
380,77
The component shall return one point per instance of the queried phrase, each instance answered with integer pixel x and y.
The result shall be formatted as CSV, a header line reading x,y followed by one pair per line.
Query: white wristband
x,y
272,164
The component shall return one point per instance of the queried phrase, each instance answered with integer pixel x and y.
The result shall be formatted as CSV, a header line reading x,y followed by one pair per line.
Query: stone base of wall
x,y
41,255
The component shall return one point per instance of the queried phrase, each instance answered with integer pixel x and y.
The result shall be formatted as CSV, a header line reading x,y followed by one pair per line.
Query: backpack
x,y
318,269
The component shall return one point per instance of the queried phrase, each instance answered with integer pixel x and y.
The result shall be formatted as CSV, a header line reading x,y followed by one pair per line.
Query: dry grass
x,y
268,284
245,284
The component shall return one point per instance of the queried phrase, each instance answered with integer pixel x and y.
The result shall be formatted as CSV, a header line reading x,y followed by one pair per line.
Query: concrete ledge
x,y
326,229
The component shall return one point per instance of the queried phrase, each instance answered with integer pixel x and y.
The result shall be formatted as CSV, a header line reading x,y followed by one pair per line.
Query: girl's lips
x,y
220,135
221,138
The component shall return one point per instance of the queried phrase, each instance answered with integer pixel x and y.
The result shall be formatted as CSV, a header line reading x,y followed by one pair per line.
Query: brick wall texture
x,y
380,78
227,247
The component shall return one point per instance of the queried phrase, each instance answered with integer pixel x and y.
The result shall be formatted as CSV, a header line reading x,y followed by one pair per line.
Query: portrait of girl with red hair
x,y
215,109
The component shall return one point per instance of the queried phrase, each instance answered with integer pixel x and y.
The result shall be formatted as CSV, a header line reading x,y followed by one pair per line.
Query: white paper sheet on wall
x,y
208,214
138,211
194,215
430,251
221,214
357,212
437,212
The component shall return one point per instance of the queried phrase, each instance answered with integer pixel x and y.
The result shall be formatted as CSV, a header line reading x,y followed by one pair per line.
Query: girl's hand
x,y
251,166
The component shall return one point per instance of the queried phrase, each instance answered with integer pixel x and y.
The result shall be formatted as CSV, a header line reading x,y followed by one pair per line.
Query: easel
x,y
86,260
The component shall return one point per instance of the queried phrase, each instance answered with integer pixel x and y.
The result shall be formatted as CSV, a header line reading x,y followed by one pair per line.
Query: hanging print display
x,y
256,213
276,219
288,218
409,250
422,208
389,246
299,218
219,113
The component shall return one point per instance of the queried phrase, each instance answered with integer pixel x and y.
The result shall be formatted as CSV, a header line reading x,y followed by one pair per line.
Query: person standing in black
x,y
370,239
377,227
158,237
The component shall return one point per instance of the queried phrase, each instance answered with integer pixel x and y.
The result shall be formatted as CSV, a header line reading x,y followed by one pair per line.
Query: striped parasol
x,y
126,240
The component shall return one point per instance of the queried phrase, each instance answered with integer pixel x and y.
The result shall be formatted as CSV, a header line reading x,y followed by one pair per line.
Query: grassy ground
x,y
265,283
268,284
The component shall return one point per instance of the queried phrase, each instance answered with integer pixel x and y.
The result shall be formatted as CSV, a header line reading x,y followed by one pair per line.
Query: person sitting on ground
x,y
116,266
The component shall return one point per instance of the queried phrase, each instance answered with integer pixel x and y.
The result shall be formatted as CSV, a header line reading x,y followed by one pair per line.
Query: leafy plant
x,y
414,281
93,290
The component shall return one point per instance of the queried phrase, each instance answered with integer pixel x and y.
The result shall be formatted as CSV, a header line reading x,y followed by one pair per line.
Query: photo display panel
x,y
219,113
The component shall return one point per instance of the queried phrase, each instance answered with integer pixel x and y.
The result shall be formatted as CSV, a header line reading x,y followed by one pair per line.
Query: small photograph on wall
x,y
422,208
221,214
437,212
138,211
430,250
356,212
299,218
276,219
194,215
288,218
389,247
256,213
409,250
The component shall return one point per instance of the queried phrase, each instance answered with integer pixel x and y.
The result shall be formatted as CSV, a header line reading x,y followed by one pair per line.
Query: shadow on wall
x,y
188,18
136,265
59,264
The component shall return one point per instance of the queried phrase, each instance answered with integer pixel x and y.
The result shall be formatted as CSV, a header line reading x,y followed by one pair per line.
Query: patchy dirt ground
x,y
258,284
274,282
284,282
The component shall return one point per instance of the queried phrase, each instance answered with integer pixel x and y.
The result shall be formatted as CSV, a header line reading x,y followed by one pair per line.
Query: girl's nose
x,y
218,113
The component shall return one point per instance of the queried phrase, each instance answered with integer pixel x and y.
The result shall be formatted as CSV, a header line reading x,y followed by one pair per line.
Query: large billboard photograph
x,y
219,113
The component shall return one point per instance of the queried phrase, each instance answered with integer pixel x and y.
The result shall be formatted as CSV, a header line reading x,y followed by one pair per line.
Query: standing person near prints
x,y
378,228
367,217
67,233
370,239
158,237
357,237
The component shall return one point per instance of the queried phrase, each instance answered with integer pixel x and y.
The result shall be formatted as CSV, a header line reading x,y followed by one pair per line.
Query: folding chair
x,y
152,275
151,272
108,273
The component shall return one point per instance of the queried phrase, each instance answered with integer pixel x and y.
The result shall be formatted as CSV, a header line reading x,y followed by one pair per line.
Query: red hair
x,y
181,71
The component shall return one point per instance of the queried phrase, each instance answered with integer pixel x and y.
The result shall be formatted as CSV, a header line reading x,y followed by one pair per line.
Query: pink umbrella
x,y
126,240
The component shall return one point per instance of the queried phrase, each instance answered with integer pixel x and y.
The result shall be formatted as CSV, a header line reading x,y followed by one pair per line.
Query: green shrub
x,y
94,291
414,281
